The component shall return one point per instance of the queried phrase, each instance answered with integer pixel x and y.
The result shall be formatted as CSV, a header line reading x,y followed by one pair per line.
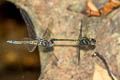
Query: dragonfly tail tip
x,y
9,41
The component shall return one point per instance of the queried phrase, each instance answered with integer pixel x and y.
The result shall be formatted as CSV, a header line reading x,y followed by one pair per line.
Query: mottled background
x,y
62,17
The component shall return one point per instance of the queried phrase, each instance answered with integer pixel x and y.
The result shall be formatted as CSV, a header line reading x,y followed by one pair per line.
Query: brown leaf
x,y
110,6
91,9
101,74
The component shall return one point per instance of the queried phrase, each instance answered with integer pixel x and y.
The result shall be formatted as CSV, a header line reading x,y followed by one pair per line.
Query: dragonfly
x,y
32,42
84,43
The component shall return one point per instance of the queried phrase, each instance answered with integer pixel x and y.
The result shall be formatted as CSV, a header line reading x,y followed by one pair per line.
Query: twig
x,y
105,63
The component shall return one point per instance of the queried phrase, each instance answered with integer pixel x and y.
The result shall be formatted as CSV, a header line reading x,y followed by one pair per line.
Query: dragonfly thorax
x,y
87,41
45,43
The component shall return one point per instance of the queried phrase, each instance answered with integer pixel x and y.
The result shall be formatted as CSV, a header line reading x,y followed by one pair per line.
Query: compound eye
x,y
93,40
52,40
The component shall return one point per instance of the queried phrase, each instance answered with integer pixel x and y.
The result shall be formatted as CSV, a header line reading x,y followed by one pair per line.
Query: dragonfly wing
x,y
80,36
28,39
48,32
29,24
29,47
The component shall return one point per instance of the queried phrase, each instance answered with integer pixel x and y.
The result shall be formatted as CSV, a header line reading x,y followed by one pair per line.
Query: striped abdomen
x,y
84,41
87,41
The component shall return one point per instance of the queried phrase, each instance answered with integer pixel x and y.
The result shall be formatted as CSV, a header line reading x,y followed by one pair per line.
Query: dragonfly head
x,y
92,41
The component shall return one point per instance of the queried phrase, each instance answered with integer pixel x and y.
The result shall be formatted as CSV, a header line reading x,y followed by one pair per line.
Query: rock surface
x,y
64,23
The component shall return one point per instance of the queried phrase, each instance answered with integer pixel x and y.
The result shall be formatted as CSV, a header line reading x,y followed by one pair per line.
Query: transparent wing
x,y
47,34
29,24
29,47
80,36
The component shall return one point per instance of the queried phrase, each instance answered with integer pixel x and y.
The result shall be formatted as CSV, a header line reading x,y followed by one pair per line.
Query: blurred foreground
x,y
16,63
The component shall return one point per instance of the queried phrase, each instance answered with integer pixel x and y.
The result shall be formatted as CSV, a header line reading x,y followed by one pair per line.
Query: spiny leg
x,y
105,63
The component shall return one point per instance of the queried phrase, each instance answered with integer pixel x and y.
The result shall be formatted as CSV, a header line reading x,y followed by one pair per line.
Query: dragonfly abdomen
x,y
22,42
85,41
14,42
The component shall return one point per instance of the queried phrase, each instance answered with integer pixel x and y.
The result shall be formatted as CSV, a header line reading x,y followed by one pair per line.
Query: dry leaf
x,y
91,9
101,74
110,6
